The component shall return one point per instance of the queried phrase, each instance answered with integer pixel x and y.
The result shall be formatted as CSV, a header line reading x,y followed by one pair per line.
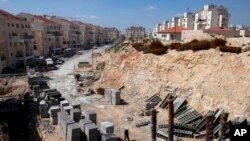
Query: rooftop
x,y
8,15
176,29
45,20
217,28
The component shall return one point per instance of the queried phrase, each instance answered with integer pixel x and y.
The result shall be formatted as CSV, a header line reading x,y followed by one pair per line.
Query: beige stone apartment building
x,y
16,42
71,32
135,32
111,35
48,35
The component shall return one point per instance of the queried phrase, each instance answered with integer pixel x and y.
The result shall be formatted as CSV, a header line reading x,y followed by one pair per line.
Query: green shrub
x,y
101,66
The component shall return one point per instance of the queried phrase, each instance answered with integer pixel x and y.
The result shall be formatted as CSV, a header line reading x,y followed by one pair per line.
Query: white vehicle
x,y
49,63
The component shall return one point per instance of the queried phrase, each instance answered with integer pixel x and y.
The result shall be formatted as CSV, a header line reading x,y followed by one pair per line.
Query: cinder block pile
x,y
75,114
65,121
76,105
63,104
53,114
91,131
67,108
113,96
90,115
107,131
74,132
43,109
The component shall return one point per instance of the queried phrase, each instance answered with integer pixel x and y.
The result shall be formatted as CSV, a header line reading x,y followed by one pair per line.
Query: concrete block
x,y
91,131
147,105
65,123
116,97
73,132
106,127
108,94
63,104
83,123
54,120
90,115
67,109
75,114
109,137
76,105
53,111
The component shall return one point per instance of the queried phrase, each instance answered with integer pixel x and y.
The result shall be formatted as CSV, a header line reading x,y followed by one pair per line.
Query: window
x,y
11,55
17,25
8,24
13,25
34,46
22,26
26,26
21,44
15,44
10,44
171,35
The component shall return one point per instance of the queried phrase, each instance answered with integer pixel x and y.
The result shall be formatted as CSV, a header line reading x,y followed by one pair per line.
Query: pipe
x,y
153,124
223,126
170,118
209,126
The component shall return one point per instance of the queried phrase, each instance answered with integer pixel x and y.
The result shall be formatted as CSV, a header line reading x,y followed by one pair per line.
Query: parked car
x,y
58,61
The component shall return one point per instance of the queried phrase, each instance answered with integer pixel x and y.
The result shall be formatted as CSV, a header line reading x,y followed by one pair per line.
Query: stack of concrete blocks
x,y
67,109
60,115
74,132
76,105
63,104
43,109
75,114
116,97
65,122
113,96
91,131
148,106
53,114
83,123
107,131
108,94
90,115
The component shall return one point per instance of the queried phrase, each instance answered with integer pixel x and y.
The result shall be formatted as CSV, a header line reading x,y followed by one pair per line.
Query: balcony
x,y
57,34
27,37
78,33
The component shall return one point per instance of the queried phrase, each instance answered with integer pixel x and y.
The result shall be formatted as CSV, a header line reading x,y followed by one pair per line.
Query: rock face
x,y
207,79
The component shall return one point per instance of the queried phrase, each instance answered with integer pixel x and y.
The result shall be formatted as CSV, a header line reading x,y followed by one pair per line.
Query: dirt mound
x,y
13,86
208,79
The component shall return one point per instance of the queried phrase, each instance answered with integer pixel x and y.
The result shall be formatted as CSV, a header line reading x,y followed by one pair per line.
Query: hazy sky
x,y
124,13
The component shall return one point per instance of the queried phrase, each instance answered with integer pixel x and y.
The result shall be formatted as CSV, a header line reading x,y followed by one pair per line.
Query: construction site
x,y
154,90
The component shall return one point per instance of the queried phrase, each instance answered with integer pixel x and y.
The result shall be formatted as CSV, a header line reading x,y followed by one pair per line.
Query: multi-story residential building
x,y
188,20
211,16
135,33
176,21
48,35
16,42
111,35
71,32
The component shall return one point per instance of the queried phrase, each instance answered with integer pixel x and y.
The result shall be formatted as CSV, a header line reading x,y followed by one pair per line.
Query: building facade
x,y
135,33
211,16
16,49
48,35
71,33
111,35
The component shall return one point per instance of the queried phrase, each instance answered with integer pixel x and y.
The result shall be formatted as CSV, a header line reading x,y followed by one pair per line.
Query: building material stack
x,y
73,132
91,131
76,105
63,104
65,122
113,96
83,123
148,108
75,114
90,115
43,109
67,108
107,131
53,114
